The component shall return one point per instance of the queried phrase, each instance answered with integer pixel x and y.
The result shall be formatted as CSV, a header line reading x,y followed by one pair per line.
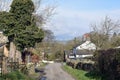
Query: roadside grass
x,y
79,74
15,75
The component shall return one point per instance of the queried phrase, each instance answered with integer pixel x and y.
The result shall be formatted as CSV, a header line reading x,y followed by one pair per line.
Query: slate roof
x,y
88,45
83,52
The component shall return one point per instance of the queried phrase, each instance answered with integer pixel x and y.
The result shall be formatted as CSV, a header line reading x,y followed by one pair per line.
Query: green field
x,y
79,74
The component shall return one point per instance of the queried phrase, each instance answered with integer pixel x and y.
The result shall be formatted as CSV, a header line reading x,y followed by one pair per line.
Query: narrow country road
x,y
55,72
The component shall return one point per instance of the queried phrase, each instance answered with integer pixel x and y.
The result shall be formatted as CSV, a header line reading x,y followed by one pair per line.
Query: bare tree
x,y
49,36
43,14
107,27
101,33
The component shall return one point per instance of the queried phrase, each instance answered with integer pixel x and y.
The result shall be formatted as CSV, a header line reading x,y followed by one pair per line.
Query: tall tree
x,y
21,27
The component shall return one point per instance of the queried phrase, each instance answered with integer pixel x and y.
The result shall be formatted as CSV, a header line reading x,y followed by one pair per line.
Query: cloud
x,y
71,23
68,23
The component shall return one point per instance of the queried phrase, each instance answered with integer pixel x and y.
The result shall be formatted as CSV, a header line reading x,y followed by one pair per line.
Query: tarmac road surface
x,y
55,72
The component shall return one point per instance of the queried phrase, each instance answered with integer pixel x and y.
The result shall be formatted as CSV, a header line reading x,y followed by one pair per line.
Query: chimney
x,y
86,37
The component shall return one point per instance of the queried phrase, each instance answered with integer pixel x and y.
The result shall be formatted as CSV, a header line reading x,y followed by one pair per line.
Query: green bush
x,y
16,75
108,63
24,70
79,74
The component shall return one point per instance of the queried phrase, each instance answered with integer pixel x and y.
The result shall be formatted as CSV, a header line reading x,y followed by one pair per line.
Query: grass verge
x,y
15,75
78,74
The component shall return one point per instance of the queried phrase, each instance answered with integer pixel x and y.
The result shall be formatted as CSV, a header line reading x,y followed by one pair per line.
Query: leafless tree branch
x,y
43,15
102,32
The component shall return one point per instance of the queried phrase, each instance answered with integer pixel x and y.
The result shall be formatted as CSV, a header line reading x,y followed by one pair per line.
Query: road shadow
x,y
94,75
41,72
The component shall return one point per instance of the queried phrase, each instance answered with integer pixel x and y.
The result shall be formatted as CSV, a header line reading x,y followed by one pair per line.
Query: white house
x,y
88,45
84,50
71,56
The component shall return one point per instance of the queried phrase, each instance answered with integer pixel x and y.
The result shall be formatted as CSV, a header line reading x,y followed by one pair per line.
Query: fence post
x,y
1,61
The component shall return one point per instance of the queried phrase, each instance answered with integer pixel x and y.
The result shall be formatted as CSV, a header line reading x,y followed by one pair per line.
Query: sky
x,y
73,18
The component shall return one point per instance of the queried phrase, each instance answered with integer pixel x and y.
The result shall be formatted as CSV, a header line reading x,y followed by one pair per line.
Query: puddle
x,y
43,78
39,70
42,74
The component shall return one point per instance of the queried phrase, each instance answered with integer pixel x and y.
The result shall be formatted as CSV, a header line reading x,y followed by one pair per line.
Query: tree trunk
x,y
12,51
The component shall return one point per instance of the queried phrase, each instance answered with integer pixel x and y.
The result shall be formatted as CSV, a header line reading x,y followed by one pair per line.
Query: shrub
x,y
84,66
16,75
108,63
24,70
70,64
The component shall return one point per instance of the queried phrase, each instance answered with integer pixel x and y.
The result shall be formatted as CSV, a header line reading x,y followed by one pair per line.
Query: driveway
x,y
55,72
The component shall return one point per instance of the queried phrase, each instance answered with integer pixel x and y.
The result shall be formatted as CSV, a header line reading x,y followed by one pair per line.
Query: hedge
x,y
107,63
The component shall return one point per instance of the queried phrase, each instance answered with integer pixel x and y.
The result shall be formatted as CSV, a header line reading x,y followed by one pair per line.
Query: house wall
x,y
71,57
83,56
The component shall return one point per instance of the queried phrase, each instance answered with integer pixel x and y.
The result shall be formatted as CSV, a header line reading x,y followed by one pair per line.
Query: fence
x,y
7,65
0,66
